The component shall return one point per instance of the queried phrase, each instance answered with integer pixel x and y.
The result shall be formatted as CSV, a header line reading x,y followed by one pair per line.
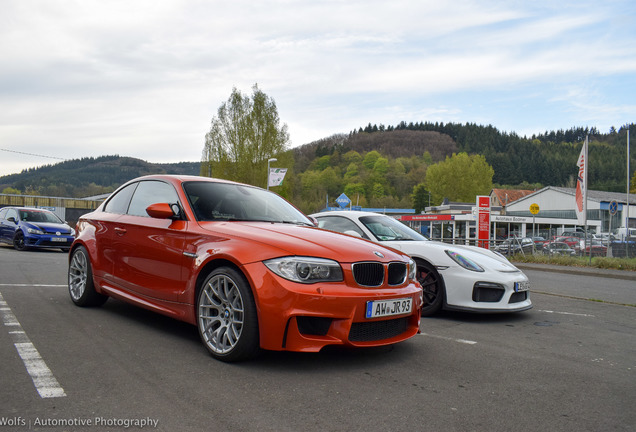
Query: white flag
x,y
276,176
581,186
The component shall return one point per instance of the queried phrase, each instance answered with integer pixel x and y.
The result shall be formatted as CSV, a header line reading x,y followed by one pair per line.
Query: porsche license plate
x,y
522,286
382,308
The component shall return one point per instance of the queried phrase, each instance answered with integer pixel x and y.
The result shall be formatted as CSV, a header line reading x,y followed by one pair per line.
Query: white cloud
x,y
144,78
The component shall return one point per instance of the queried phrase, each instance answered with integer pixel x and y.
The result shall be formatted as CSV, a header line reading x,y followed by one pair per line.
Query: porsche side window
x,y
340,224
151,192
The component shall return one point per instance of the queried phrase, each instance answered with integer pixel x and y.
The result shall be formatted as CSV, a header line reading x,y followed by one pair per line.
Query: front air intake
x,y
369,274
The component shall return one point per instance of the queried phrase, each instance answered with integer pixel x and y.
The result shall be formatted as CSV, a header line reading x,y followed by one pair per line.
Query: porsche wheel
x,y
226,316
80,280
432,288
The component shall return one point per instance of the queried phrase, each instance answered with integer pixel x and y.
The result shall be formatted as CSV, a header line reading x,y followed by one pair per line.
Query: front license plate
x,y
522,286
382,308
58,239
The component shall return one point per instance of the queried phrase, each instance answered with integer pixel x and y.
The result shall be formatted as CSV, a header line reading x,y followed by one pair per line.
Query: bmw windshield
x,y
234,202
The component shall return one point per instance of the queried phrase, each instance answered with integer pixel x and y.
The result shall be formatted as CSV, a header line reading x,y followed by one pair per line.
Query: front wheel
x,y
18,241
80,280
226,316
432,288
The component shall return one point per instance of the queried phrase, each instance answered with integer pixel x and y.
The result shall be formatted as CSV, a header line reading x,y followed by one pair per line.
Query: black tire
x,y
81,286
433,289
226,316
18,241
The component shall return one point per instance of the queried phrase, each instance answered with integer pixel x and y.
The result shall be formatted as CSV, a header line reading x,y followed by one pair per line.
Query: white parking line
x,y
32,285
568,313
464,341
43,379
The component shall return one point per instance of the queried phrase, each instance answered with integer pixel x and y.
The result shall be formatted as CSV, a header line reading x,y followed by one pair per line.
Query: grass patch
x,y
596,262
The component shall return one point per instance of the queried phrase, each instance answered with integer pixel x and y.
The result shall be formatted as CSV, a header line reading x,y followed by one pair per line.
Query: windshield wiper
x,y
294,222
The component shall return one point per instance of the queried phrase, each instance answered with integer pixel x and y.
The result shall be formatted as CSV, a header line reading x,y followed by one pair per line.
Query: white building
x,y
606,212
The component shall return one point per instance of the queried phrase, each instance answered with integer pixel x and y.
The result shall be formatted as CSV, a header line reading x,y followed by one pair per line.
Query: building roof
x,y
507,196
592,195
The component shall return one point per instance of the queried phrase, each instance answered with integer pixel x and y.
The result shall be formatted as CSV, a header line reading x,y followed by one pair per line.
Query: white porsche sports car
x,y
456,277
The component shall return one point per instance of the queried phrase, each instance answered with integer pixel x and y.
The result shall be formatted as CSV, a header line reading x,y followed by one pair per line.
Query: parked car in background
x,y
453,277
243,265
25,227
558,248
578,233
514,246
593,247
573,242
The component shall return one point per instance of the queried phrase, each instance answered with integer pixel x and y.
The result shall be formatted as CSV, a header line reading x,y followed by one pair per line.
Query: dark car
x,y
558,248
25,227
514,246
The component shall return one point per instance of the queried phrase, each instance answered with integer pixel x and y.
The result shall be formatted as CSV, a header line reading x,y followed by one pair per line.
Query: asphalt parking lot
x,y
568,364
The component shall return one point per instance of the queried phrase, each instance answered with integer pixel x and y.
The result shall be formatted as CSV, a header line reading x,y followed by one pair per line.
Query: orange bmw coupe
x,y
242,264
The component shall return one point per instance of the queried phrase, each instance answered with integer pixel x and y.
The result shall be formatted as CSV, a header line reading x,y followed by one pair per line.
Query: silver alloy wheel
x,y
77,274
221,314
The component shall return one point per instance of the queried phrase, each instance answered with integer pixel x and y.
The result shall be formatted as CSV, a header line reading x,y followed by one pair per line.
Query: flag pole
x,y
587,167
627,200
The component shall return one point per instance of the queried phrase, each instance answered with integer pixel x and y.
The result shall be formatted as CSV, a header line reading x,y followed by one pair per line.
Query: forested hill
x,y
345,162
89,176
548,159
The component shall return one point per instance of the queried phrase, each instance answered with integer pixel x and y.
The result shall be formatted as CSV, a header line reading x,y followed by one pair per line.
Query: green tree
x,y
420,198
244,134
11,191
370,159
459,178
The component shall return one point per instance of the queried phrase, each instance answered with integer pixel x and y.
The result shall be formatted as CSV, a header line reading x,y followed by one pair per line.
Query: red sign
x,y
442,217
483,221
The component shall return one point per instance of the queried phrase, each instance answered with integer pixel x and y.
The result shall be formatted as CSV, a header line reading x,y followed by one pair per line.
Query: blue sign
x,y
343,200
613,208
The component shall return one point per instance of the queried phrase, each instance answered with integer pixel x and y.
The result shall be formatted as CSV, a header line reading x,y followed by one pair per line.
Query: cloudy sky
x,y
85,78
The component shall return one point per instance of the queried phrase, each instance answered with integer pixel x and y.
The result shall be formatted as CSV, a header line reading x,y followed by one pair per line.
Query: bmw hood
x,y
277,239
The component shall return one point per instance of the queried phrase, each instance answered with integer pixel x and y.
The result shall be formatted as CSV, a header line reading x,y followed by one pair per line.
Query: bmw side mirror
x,y
162,211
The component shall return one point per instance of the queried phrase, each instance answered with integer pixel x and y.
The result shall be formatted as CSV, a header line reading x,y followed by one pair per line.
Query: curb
x,y
589,271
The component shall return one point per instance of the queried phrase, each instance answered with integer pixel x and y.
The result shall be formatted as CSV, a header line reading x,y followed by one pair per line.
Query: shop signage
x,y
483,221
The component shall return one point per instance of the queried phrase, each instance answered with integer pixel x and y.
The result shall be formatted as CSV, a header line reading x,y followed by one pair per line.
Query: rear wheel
x,y
80,280
18,241
432,288
226,316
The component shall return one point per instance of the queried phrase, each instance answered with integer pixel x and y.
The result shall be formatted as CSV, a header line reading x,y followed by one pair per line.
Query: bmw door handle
x,y
120,231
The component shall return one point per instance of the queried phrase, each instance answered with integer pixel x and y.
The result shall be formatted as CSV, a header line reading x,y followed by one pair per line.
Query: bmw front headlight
x,y
412,270
463,261
305,269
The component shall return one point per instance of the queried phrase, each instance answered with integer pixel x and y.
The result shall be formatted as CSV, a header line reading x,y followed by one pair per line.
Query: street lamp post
x,y
268,162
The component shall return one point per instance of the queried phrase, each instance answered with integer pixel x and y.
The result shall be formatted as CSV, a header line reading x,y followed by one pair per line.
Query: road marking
x,y
42,377
464,341
32,285
568,313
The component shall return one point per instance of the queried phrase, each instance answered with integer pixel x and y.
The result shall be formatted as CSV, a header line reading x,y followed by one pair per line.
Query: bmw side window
x,y
3,213
151,192
118,203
